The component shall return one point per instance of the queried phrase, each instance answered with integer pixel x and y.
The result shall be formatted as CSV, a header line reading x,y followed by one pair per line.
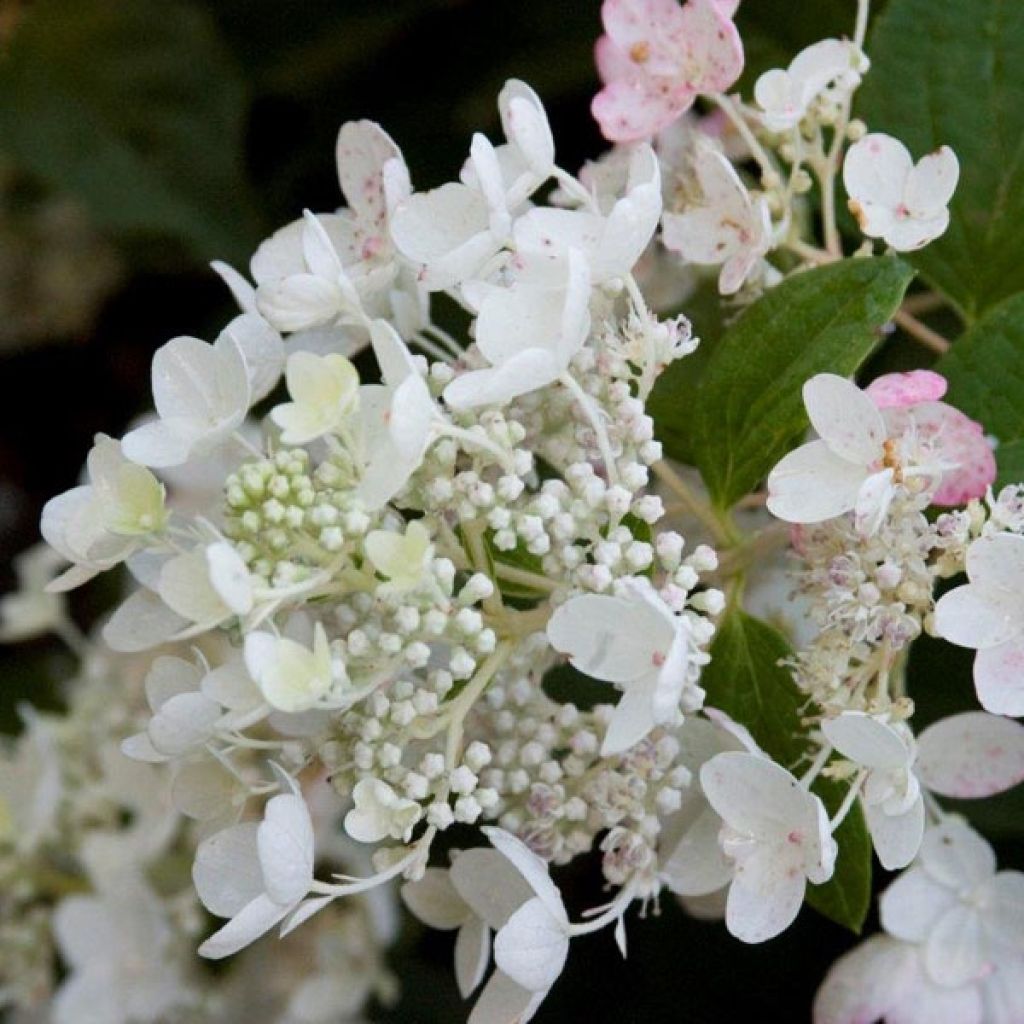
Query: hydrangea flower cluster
x,y
355,592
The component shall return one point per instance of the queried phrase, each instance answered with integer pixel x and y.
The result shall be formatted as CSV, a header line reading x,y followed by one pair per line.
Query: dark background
x,y
181,132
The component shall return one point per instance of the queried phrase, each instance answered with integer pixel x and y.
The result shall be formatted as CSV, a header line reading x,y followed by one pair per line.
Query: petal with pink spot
x,y
896,390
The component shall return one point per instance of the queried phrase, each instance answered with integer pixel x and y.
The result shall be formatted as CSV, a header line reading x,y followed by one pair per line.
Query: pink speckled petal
x,y
999,678
971,755
898,390
631,109
650,32
613,62
961,441
714,51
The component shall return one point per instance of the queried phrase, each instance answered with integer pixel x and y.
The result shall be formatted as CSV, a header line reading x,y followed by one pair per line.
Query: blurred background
x,y
139,139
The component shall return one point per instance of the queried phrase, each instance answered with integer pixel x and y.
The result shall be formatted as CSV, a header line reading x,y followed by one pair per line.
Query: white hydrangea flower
x,y
318,270
31,787
528,332
290,676
891,794
32,609
119,948
635,641
379,812
324,392
853,466
101,523
402,557
610,242
202,392
476,896
885,979
987,614
968,917
903,203
831,66
531,947
778,836
256,874
729,228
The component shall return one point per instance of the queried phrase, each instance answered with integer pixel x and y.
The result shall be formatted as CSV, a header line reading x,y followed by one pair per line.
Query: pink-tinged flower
x,y
657,57
910,402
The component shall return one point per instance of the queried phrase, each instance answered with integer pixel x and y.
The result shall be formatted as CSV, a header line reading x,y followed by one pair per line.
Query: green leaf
x,y
949,72
985,370
1010,464
745,411
137,109
745,679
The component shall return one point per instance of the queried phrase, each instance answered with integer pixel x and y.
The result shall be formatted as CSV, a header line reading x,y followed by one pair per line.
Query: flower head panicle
x,y
463,587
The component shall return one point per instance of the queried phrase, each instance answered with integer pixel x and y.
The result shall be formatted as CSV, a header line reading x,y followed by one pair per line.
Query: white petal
x,y
535,368
285,840
84,929
997,561
896,837
472,953
243,292
226,871
504,1002
907,234
978,616
252,921
864,984
697,865
913,903
141,622
262,350
167,677
280,255
229,577
755,795
299,302
526,126
204,790
531,867
812,484
532,947
845,418
633,717
873,501
955,952
490,885
1002,903
183,723
162,443
866,740
931,184
766,893
971,755
435,901
875,170
999,678
446,230
616,639
955,855
362,150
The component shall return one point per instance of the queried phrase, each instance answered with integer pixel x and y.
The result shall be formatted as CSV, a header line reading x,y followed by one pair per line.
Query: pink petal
x,y
897,390
963,442
636,108
714,50
649,31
